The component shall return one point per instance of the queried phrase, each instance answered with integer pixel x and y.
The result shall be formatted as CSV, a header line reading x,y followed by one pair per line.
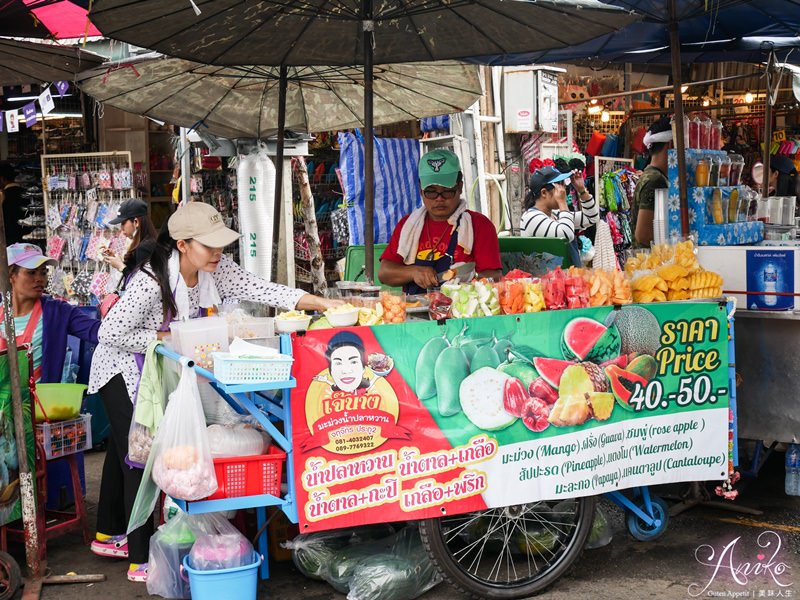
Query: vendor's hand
x,y
160,335
425,277
311,302
577,182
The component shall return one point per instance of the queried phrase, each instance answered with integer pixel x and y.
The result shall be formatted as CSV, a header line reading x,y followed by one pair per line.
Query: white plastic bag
x,y
182,465
236,440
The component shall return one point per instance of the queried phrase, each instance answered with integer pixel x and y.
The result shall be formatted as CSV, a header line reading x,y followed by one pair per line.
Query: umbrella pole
x,y
277,206
767,128
369,173
29,519
680,142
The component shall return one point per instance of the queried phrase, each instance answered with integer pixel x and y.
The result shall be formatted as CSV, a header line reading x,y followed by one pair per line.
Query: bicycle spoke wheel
x,y
512,552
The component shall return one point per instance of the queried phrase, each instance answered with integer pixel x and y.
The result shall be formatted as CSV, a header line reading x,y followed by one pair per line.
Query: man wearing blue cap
x,y
439,234
547,213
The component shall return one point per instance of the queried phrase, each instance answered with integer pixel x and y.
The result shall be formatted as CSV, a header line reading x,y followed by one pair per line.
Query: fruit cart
x,y
495,433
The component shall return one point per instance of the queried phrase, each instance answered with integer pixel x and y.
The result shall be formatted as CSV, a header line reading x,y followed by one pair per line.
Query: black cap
x,y
544,176
130,209
782,164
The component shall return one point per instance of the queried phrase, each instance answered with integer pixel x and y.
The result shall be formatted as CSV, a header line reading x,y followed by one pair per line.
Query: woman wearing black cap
x,y
137,227
546,211
783,179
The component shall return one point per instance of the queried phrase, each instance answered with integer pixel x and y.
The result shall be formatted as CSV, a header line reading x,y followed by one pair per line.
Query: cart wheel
x,y
512,552
641,530
10,576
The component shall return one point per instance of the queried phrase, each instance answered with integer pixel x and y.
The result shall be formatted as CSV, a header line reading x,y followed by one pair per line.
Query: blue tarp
x,y
396,183
699,22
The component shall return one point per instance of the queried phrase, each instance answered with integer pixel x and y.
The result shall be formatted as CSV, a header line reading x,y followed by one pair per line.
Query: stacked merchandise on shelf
x,y
214,183
332,222
616,199
82,193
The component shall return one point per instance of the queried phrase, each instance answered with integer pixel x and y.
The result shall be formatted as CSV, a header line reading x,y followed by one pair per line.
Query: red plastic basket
x,y
249,475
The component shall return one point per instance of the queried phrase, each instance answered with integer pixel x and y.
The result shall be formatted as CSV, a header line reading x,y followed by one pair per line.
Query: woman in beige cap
x,y
186,272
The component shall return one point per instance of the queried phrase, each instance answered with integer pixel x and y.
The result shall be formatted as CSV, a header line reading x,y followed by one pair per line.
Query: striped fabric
x,y
396,183
440,123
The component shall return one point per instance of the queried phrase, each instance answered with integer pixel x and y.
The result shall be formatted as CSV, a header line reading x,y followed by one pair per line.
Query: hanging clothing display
x,y
616,198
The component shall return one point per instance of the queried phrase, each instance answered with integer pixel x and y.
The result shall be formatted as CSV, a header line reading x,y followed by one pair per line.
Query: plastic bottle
x,y
770,285
793,470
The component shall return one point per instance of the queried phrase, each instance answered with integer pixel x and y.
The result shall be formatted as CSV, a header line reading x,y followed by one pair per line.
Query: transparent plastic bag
x,y
140,441
312,553
236,440
172,541
183,467
403,572
212,552
216,410
601,533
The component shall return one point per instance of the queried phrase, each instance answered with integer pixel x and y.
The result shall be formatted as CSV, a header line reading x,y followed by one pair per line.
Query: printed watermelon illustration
x,y
587,339
551,369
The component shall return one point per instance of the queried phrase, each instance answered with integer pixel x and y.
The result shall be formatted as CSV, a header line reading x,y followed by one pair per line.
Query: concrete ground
x,y
625,568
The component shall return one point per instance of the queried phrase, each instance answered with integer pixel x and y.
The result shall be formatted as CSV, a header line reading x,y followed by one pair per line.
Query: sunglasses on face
x,y
447,194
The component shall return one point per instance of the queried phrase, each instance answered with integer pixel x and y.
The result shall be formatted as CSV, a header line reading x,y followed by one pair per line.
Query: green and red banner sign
x,y
400,422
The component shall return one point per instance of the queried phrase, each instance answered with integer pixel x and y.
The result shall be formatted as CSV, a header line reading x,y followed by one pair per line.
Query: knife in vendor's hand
x,y
463,272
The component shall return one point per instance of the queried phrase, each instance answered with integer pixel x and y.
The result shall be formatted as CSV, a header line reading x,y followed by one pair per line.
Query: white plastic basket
x,y
65,437
238,369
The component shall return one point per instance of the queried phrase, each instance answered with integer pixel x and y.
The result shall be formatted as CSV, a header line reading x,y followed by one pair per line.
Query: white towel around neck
x,y
208,289
408,244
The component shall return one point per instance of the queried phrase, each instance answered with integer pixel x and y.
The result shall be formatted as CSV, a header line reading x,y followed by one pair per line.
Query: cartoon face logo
x,y
436,164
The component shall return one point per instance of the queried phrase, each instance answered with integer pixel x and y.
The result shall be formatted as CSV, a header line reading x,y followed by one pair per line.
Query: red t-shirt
x,y
485,248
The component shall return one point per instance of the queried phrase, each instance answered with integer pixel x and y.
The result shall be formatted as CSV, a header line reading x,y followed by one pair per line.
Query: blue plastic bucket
x,y
240,582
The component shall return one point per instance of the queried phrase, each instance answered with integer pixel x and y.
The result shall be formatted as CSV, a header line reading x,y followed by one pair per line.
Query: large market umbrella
x,y
32,62
348,32
242,102
56,19
668,24
256,101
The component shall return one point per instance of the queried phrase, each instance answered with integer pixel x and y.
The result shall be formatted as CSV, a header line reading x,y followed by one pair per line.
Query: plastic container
x,y
58,401
724,171
737,167
715,143
685,129
232,369
715,213
250,328
394,306
792,482
733,206
705,134
693,141
249,475
65,437
198,339
240,582
701,172
713,171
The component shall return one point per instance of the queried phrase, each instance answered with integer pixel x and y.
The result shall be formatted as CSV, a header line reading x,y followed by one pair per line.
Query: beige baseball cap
x,y
202,222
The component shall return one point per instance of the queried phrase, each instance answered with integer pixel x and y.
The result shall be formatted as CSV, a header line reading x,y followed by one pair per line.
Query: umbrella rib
x,y
401,109
415,77
334,91
425,44
261,106
141,87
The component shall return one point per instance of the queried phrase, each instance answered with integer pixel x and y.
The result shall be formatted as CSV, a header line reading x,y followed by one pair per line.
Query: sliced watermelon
x,y
551,369
587,339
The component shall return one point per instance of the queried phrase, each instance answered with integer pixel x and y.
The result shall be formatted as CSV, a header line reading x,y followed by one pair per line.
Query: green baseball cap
x,y
439,167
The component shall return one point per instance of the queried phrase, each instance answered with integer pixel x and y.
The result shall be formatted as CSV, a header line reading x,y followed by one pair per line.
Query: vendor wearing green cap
x,y
439,234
